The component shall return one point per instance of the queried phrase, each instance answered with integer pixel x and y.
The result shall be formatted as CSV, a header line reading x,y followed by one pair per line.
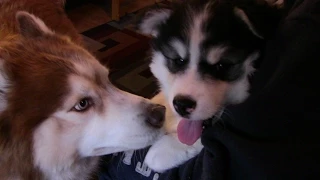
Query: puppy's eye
x,y
83,105
222,66
179,61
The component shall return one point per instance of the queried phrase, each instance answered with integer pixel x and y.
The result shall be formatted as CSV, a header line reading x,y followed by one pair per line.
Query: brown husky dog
x,y
58,110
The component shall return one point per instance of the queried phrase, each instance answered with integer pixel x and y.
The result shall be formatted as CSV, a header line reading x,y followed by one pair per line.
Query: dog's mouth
x,y
189,131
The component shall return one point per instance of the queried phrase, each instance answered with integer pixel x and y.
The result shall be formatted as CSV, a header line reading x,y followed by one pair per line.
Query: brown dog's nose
x,y
156,115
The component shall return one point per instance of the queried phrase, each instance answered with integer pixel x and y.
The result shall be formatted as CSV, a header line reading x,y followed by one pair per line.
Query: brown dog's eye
x,y
83,105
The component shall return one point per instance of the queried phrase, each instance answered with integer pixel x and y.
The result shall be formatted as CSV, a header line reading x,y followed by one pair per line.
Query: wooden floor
x,y
117,45
88,16
122,7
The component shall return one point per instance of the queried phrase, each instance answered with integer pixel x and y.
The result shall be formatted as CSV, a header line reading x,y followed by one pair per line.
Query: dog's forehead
x,y
79,60
92,70
206,29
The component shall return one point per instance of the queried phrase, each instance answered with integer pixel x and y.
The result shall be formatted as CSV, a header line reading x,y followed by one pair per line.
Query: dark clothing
x,y
275,133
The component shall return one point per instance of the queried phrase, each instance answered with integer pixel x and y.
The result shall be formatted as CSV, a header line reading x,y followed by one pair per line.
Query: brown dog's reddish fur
x,y
58,110
26,95
50,11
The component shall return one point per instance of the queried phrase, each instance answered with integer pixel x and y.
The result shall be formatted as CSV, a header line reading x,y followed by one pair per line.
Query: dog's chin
x,y
137,142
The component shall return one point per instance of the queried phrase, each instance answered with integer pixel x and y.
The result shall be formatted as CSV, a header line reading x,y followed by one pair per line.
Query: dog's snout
x,y
156,115
184,105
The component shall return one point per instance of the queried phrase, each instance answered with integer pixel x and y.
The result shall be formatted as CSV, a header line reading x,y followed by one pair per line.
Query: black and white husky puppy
x,y
202,55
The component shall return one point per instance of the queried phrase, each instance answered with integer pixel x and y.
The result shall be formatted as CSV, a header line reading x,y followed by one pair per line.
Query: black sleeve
x,y
275,133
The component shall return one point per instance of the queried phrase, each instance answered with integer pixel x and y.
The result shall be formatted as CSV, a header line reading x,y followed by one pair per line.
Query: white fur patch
x,y
215,53
242,15
249,69
169,152
55,152
239,89
196,33
159,69
154,19
180,47
196,37
4,83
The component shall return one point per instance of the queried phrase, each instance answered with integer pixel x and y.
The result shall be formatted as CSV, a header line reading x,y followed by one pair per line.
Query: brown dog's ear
x,y
149,25
31,26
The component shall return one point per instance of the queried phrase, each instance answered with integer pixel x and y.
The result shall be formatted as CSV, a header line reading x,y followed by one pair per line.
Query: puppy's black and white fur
x,y
202,55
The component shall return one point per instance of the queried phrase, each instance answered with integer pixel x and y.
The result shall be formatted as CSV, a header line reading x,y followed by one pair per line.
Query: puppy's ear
x,y
61,3
275,3
243,16
151,21
261,16
31,26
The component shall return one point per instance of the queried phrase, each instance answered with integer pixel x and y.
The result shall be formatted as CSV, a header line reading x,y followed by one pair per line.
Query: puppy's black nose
x,y
156,115
184,105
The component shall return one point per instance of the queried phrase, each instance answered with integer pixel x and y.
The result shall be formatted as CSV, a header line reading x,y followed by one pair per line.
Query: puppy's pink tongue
x,y
189,131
